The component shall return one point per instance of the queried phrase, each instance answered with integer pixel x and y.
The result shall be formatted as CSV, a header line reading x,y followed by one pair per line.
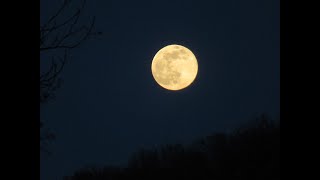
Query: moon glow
x,y
174,67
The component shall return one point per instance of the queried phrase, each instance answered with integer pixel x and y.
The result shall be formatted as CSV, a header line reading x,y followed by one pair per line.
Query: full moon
x,y
174,67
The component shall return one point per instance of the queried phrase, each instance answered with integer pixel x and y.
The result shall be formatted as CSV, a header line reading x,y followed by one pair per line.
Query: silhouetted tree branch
x,y
62,37
60,34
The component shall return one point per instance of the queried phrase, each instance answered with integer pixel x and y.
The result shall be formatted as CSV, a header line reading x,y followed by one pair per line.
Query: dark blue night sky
x,y
109,105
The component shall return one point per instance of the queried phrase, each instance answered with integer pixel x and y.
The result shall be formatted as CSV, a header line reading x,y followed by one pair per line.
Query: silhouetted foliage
x,y
251,152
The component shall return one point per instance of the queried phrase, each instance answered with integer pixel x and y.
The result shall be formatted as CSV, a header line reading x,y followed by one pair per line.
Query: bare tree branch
x,y
60,42
60,36
63,36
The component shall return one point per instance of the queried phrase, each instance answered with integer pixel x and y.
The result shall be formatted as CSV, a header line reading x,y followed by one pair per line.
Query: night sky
x,y
109,105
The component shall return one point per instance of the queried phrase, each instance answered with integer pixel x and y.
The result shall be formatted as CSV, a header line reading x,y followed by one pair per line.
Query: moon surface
x,y
174,67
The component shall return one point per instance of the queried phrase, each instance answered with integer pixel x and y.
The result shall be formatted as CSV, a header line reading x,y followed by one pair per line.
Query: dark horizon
x,y
109,105
250,152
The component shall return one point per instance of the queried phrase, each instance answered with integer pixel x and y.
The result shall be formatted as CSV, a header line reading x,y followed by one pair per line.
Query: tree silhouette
x,y
58,36
251,152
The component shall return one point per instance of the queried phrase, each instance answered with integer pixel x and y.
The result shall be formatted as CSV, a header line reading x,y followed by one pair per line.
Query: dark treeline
x,y
250,152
